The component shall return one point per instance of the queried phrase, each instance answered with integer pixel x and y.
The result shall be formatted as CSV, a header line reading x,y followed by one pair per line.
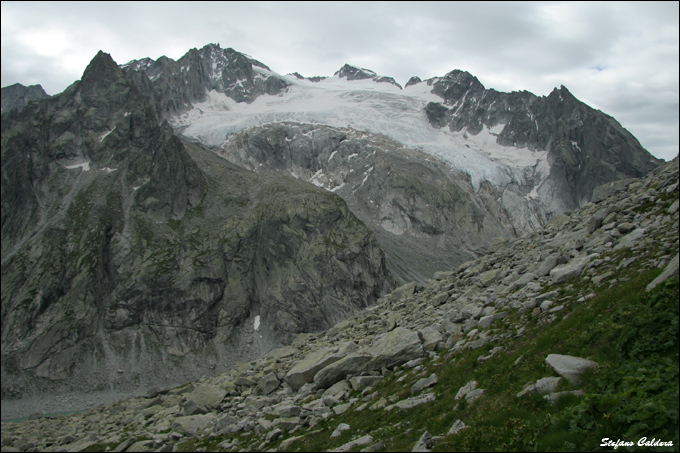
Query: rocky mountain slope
x,y
550,341
514,159
130,258
164,219
17,96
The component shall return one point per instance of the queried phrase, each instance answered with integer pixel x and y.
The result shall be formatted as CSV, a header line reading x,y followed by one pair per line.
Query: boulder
x,y
569,367
268,383
191,424
424,383
305,370
430,338
457,426
669,271
631,239
203,399
570,270
359,383
337,371
542,386
395,348
467,388
408,403
342,427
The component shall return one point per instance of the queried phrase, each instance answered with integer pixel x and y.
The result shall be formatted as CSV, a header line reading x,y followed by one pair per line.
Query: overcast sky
x,y
619,57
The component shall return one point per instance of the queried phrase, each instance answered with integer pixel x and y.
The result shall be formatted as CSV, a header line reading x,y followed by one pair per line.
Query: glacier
x,y
378,108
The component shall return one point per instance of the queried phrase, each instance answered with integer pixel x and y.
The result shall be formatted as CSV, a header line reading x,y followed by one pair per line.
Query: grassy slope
x,y
632,334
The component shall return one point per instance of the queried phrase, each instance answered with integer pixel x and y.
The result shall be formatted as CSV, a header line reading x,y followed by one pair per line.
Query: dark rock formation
x,y
173,86
17,96
424,216
132,258
350,72
586,148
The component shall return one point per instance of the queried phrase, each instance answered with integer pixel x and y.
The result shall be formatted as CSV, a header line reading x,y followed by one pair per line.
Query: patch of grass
x,y
632,334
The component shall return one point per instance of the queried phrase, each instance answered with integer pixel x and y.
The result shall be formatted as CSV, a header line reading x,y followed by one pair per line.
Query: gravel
x,y
60,402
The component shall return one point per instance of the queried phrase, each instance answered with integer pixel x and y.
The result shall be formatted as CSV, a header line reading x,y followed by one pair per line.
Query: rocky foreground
x,y
275,402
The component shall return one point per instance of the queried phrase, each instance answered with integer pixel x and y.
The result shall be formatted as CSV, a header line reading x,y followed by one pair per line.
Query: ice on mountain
x,y
378,108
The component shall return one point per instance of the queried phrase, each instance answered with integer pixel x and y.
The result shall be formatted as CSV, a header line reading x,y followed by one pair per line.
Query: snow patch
x,y
85,166
256,324
105,134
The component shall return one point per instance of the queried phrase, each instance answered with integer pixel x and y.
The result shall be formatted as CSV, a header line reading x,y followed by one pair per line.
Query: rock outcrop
x,y
129,256
350,72
424,216
18,96
172,87
586,148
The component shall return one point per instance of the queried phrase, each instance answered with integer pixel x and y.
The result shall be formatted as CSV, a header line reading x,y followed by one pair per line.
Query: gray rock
x,y
285,445
542,386
190,425
363,440
545,305
204,399
550,263
304,370
569,367
226,424
403,291
669,271
457,427
473,395
631,239
570,270
274,435
287,423
439,299
414,401
268,383
341,408
486,321
423,443
125,444
342,427
339,391
336,371
424,383
552,398
430,338
287,411
142,445
467,388
360,383
395,348
473,310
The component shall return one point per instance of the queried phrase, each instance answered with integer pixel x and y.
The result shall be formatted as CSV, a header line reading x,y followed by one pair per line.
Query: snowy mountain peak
x,y
350,72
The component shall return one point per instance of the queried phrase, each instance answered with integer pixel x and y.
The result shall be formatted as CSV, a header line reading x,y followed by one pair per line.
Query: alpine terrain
x,y
164,220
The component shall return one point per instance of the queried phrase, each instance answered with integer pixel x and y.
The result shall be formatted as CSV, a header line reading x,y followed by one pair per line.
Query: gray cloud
x,y
619,57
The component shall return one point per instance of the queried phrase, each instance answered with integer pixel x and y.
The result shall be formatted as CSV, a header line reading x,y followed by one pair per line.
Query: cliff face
x,y
172,87
18,96
425,217
586,147
131,258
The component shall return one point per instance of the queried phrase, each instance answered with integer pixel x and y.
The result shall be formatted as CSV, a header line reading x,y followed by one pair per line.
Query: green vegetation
x,y
632,334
